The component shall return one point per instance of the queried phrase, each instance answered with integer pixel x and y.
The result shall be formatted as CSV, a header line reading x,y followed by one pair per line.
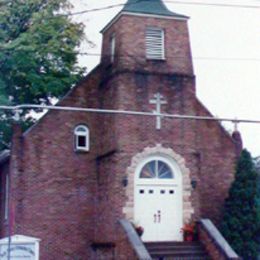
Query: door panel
x,y
159,210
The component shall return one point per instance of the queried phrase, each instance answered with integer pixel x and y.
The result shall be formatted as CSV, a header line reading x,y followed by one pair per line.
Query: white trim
x,y
188,209
6,196
158,16
22,240
173,206
159,157
78,133
154,43
142,15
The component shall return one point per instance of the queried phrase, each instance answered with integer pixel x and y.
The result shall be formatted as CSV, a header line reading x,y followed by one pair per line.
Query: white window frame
x,y
112,47
173,165
155,43
157,170
79,133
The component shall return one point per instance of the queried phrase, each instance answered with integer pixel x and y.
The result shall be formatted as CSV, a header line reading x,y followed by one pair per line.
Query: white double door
x,y
158,209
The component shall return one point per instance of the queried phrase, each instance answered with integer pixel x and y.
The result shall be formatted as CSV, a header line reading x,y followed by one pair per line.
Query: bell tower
x,y
146,36
146,66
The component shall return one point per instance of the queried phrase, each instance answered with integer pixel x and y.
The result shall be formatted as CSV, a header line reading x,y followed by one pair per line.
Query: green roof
x,y
153,7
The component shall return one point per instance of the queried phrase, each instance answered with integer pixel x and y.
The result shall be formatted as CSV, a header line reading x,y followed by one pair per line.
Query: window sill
x,y
155,60
81,150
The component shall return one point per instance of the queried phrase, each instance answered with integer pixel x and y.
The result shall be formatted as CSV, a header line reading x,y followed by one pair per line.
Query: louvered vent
x,y
154,43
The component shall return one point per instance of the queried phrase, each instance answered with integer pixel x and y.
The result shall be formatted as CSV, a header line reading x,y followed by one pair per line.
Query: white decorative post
x,y
21,248
158,101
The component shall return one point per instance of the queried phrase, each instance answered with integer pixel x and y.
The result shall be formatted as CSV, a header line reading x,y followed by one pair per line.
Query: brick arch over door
x,y
188,209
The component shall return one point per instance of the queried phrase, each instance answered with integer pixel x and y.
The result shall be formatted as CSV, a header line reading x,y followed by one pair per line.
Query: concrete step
x,y
181,258
178,255
175,245
176,250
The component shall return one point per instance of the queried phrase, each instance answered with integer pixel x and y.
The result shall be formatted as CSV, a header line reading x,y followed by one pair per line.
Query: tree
x,y
241,219
38,53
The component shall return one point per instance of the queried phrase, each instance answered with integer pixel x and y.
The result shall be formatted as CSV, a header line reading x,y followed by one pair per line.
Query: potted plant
x,y
139,229
189,232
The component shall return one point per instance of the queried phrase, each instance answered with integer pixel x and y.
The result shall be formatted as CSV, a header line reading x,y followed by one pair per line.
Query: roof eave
x,y
173,17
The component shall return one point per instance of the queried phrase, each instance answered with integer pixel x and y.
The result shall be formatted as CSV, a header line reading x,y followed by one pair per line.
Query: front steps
x,y
177,251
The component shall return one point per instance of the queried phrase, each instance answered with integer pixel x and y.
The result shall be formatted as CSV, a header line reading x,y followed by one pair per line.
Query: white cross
x,y
158,101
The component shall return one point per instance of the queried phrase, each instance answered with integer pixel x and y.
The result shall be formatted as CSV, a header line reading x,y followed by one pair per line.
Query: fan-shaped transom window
x,y
156,169
81,134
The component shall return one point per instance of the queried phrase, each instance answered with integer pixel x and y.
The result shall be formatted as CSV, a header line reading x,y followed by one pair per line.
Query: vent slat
x,y
154,43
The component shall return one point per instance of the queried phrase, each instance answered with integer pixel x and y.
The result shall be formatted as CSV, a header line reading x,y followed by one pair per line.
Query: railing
x,y
135,241
216,245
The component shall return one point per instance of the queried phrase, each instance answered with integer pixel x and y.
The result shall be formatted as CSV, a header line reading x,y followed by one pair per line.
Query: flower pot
x,y
139,231
188,237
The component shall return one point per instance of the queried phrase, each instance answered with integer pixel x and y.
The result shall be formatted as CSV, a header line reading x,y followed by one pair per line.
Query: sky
x,y
225,43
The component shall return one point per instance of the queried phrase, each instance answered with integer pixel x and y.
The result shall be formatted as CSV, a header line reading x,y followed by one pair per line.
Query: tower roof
x,y
153,7
146,7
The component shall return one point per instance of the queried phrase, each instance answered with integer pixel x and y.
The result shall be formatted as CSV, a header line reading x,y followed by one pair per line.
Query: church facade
x,y
73,176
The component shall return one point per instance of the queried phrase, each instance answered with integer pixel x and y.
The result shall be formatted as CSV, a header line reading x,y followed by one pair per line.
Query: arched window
x,y
81,135
112,48
156,169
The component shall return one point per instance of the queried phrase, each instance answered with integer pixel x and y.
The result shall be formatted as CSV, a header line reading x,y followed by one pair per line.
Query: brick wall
x,y
129,33
54,187
214,252
121,248
124,249
208,150
215,244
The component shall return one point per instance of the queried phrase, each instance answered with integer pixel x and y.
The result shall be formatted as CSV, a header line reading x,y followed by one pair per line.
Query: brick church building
x,y
75,180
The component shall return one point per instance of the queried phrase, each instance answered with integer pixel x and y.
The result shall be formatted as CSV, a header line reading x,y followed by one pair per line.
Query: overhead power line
x,y
95,9
196,58
242,59
167,1
17,109
227,59
214,4
199,3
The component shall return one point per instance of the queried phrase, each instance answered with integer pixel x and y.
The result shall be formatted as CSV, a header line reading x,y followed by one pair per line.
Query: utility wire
x,y
17,109
102,8
242,59
214,4
167,1
176,57
94,10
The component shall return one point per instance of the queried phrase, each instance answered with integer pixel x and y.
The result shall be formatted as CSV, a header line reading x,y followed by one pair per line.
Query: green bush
x,y
241,219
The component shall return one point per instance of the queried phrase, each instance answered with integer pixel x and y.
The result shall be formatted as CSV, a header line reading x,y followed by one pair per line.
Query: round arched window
x,y
81,134
156,169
